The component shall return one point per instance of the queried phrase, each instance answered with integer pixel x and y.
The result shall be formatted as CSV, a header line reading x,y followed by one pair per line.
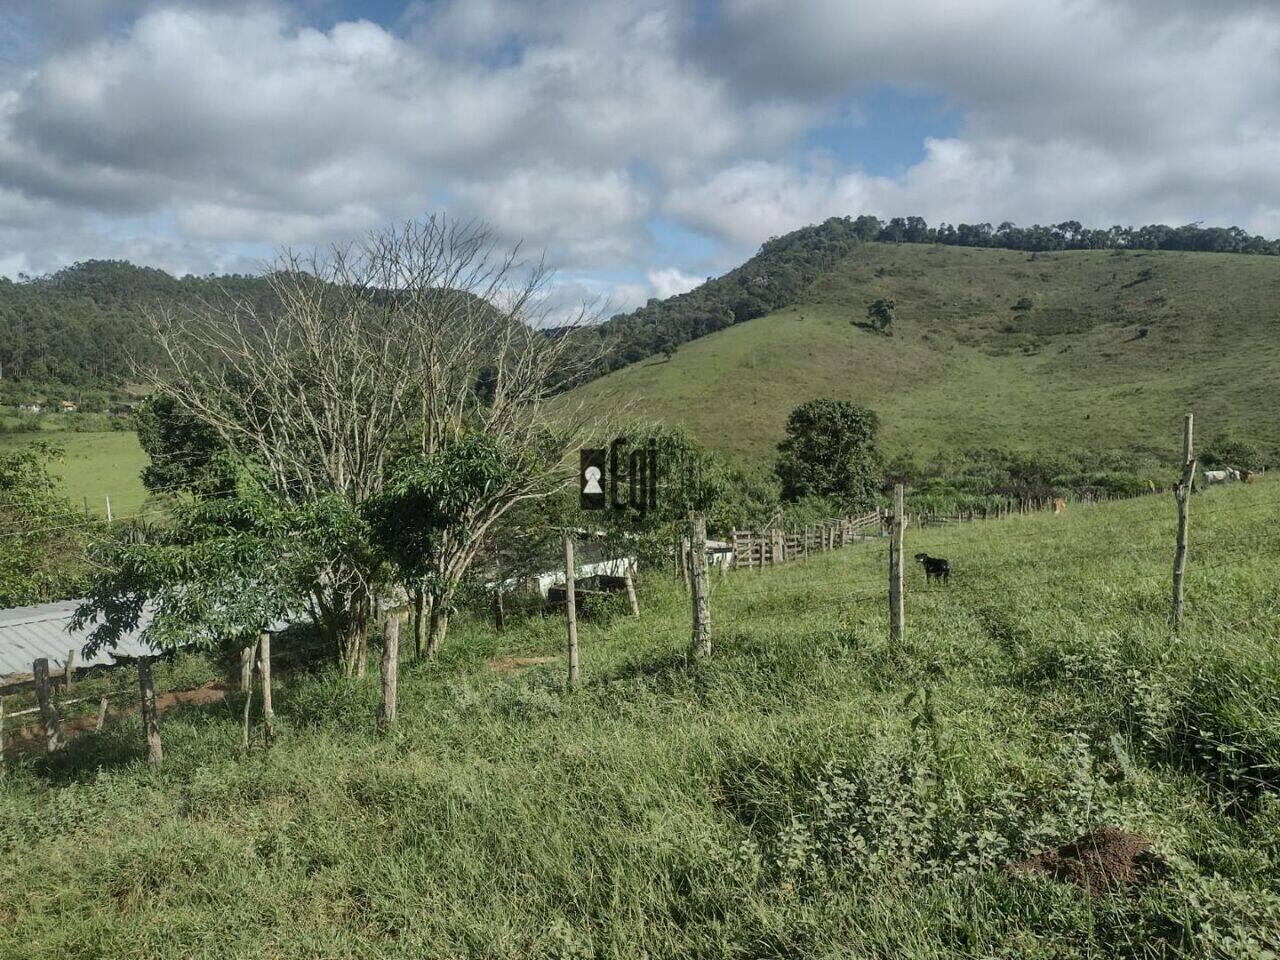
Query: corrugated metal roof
x,y
28,633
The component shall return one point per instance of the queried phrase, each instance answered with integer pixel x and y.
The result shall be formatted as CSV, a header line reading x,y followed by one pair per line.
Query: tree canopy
x,y
830,451
42,535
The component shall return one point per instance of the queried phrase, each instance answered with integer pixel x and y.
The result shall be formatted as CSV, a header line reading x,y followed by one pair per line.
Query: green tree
x,y
830,451
224,568
431,518
180,447
880,313
42,535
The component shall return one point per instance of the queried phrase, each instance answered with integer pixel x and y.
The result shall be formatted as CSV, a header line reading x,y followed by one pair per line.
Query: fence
x,y
754,549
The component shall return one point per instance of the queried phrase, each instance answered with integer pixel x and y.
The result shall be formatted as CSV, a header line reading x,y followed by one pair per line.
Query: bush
x,y
1230,452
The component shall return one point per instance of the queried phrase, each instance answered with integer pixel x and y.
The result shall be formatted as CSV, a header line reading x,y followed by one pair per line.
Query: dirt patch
x,y
1108,860
206,693
508,664
30,738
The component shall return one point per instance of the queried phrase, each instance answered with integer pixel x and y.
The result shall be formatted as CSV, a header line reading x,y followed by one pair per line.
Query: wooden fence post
x,y
109,518
246,668
499,612
701,599
248,655
264,674
897,610
631,592
1182,494
150,720
68,675
779,547
390,670
48,712
102,715
571,611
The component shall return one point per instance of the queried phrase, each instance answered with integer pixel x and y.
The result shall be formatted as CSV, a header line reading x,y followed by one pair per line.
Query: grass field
x,y
812,791
95,466
963,369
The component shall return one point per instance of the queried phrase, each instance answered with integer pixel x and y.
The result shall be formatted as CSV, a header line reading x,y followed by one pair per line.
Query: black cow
x,y
935,568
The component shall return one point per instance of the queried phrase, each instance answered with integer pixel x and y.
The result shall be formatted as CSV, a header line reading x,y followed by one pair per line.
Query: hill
x,y
1115,347
811,791
82,325
778,274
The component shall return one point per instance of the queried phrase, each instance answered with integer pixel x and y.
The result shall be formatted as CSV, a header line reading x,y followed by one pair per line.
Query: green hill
x,y
1115,348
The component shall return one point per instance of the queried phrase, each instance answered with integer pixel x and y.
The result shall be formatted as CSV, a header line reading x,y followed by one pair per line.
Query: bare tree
x,y
393,346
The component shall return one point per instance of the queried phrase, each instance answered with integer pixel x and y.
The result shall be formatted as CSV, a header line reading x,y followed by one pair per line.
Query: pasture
x,y
811,790
95,465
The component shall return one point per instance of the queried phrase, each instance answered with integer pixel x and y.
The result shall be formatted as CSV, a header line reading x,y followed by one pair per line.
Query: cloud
x,y
195,133
1102,112
669,281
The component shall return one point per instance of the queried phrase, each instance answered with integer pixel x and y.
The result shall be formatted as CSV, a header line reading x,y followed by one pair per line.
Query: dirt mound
x,y
1108,860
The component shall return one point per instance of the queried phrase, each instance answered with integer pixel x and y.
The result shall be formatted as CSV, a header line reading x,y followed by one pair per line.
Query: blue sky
x,y
643,145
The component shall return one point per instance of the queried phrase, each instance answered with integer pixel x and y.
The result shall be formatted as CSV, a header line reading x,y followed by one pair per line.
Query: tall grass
x,y
812,790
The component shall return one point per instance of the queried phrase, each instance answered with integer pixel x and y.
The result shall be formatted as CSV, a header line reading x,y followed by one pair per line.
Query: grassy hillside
x,y
964,369
810,792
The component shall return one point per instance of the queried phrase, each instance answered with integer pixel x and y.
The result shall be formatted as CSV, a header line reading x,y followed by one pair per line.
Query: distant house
x,y
69,406
30,408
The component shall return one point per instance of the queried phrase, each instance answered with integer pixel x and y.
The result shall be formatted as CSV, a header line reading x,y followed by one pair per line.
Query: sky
x,y
640,145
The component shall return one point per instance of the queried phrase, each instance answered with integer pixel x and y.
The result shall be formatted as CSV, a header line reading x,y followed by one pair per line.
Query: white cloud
x,y
669,281
185,133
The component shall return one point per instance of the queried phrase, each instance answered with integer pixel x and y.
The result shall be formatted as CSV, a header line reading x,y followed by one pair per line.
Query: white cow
x,y
1220,476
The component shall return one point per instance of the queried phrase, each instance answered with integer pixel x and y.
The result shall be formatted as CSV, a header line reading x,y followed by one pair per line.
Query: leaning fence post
x,y
102,715
1182,495
698,569
897,610
150,721
571,611
48,712
68,674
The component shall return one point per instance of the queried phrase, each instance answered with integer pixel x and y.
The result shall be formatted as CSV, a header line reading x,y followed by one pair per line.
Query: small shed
x,y
44,630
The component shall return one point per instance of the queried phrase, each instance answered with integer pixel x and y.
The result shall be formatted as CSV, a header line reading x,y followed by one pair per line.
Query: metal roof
x,y
28,633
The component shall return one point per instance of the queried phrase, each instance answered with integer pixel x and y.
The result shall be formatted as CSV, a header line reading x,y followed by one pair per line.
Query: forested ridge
x,y
82,325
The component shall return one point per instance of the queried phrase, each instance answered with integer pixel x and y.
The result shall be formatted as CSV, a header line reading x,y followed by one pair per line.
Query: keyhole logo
x,y
590,473
632,477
